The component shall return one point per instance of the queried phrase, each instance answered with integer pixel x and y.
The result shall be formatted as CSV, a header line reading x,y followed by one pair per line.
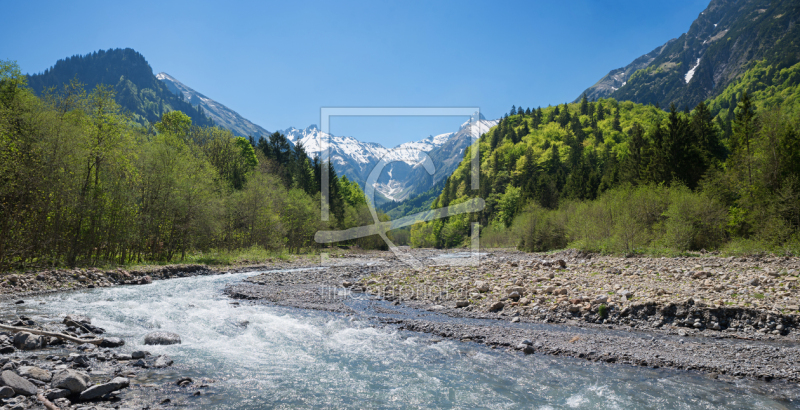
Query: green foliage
x,y
624,178
85,185
602,310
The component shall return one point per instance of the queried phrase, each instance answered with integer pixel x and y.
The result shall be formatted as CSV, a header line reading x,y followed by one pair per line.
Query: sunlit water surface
x,y
288,358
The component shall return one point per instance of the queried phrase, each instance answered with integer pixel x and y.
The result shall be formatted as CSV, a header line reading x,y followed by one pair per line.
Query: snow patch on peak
x,y
690,74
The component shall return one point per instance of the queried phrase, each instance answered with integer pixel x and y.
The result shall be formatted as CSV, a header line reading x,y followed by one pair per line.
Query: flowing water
x,y
270,357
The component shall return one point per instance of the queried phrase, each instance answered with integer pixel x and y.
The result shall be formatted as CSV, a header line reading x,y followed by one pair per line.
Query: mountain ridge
x,y
720,45
221,114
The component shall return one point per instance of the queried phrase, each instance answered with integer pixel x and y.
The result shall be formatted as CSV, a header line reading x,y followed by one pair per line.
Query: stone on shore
x,y
28,341
496,306
112,342
56,394
162,338
72,380
100,390
20,385
6,392
33,372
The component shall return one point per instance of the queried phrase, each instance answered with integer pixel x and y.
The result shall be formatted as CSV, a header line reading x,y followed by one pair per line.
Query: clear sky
x,y
277,63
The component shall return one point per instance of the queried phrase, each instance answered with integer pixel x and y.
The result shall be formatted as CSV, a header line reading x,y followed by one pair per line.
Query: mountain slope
x,y
223,116
615,79
721,44
128,73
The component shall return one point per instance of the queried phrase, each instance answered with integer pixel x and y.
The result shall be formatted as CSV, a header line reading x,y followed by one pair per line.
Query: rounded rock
x,y
162,338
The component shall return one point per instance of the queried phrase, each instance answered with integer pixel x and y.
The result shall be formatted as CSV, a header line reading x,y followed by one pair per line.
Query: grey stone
x,y
82,361
6,392
496,306
112,342
100,390
462,303
76,318
527,349
19,384
72,380
163,361
28,341
482,286
33,372
139,354
162,338
7,350
57,394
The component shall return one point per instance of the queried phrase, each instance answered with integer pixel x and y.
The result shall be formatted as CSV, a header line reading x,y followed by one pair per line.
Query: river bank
x,y
653,312
378,290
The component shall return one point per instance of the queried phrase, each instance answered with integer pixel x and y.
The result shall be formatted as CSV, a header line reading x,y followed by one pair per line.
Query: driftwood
x,y
47,403
95,341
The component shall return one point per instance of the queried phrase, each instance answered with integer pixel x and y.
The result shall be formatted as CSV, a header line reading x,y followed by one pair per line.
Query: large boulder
x,y
20,385
33,372
72,380
29,341
162,338
100,390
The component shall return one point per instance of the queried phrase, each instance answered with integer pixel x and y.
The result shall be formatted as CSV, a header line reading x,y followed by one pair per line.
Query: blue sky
x,y
277,63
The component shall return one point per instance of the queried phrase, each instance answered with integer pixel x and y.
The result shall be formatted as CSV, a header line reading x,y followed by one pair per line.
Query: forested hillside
x,y
137,90
84,184
626,177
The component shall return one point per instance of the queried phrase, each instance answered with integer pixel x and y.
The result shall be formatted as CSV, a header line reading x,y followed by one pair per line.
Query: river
x,y
271,357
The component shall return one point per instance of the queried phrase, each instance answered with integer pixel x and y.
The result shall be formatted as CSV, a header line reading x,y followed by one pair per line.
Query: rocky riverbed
x,y
35,369
73,375
730,318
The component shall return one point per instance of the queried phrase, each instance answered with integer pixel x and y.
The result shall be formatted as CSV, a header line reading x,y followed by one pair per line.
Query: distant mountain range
x,y
721,44
404,175
147,96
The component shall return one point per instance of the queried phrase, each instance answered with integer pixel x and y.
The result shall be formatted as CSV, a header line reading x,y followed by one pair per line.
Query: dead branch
x,y
47,403
61,336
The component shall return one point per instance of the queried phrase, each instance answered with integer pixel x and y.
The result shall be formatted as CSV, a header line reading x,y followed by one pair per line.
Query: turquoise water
x,y
288,358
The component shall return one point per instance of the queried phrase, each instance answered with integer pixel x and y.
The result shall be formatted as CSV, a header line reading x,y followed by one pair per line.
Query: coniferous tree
x,y
744,129
615,125
706,135
584,105
634,164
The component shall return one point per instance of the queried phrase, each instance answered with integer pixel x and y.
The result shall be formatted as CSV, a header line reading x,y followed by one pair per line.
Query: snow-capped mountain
x,y
403,176
223,116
